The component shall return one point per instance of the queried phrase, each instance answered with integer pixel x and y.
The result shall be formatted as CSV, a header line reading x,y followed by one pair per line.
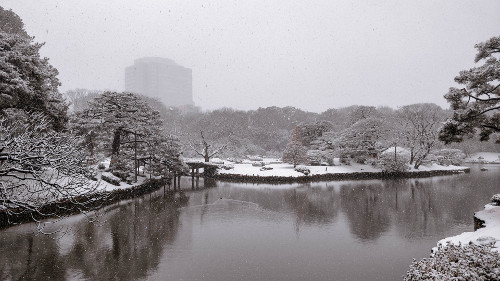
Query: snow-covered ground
x,y
490,233
484,157
106,186
287,170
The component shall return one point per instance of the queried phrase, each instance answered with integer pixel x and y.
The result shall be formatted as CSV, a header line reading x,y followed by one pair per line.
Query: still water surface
x,y
347,230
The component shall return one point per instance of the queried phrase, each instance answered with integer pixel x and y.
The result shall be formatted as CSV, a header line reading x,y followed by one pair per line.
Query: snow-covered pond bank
x,y
489,233
107,194
283,172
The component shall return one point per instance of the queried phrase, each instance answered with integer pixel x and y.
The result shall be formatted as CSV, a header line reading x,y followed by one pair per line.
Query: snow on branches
x,y
29,82
39,166
295,152
477,105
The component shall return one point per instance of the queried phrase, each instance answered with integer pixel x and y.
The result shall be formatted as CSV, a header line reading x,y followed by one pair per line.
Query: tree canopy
x,y
27,81
11,23
295,152
477,104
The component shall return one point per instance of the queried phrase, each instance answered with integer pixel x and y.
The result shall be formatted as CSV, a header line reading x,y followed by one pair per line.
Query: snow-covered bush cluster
x,y
496,199
388,163
112,179
302,169
449,156
456,262
227,166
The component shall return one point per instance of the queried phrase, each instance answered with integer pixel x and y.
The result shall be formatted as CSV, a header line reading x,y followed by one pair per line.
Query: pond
x,y
345,230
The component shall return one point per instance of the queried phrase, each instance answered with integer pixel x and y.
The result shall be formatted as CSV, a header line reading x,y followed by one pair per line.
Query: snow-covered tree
x,y
162,157
295,152
127,128
362,112
477,105
312,131
11,23
419,125
112,116
363,140
29,82
207,151
79,99
39,166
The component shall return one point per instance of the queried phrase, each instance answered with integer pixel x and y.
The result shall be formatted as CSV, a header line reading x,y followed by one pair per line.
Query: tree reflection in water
x,y
124,247
312,206
365,208
135,240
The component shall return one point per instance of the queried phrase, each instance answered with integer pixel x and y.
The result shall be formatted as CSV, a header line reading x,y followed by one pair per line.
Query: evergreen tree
x,y
477,105
27,81
363,140
295,152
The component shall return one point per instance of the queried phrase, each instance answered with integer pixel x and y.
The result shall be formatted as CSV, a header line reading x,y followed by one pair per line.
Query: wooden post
x,y
136,167
175,180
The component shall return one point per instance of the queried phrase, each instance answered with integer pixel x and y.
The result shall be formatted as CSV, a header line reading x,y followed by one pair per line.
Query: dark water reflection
x,y
351,230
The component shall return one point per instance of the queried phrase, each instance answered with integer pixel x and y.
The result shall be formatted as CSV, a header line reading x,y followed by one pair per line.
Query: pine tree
x,y
27,81
477,105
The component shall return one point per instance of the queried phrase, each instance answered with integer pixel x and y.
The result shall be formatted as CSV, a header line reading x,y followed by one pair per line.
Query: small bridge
x,y
208,168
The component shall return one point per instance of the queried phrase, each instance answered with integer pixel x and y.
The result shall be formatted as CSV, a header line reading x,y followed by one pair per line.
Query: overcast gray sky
x,y
246,54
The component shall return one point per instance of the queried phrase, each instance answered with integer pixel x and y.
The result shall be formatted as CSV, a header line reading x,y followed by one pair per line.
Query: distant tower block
x,y
162,79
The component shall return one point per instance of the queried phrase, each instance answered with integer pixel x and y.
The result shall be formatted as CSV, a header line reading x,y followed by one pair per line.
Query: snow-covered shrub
x,y
456,262
330,161
258,164
449,156
255,157
345,160
302,169
316,157
112,179
496,199
123,175
216,161
388,164
227,166
121,167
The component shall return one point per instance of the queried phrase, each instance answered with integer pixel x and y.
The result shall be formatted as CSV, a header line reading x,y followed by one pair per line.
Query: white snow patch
x,y
287,170
484,157
490,233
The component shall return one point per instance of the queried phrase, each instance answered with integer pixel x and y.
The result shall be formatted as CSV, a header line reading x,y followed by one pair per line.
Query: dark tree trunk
x,y
115,146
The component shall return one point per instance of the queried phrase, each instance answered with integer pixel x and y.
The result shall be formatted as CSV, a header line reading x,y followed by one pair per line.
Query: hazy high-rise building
x,y
160,78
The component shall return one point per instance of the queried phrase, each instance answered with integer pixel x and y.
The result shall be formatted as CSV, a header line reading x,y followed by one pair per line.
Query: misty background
x,y
249,54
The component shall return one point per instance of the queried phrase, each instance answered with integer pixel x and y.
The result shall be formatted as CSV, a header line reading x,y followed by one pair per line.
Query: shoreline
x,y
102,199
65,207
486,229
336,176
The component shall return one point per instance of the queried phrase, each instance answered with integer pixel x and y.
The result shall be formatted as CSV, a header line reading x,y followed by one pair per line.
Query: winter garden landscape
x,y
277,193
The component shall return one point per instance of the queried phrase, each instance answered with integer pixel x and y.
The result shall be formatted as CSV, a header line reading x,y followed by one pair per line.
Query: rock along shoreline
x,y
336,176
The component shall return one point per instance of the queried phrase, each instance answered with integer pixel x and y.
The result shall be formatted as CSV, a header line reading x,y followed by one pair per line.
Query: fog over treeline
x,y
266,131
